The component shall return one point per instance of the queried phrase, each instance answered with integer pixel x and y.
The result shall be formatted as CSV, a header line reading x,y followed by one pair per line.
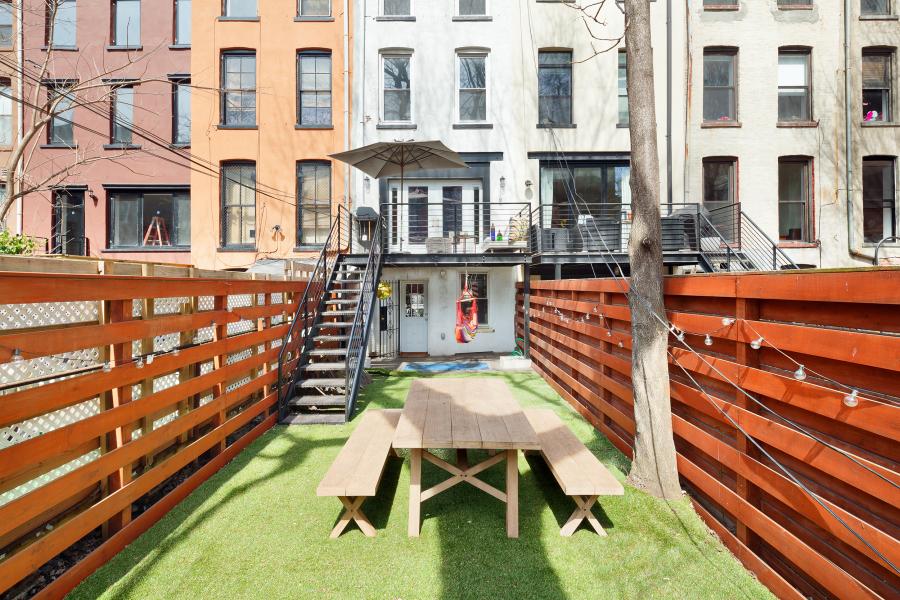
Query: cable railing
x,y
339,240
68,245
421,227
732,241
358,341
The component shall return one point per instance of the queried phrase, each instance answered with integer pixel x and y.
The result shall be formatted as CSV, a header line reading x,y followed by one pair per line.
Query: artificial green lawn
x,y
257,530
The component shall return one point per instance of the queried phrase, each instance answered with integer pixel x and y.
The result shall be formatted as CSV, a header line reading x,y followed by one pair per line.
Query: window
x,y
122,117
238,204
126,23
719,86
875,7
149,219
794,98
6,23
472,8
623,88
418,213
479,289
601,189
62,18
472,87
707,4
6,110
61,130
182,22
181,112
239,89
555,88
793,199
877,74
718,182
792,3
396,8
397,88
240,9
314,8
314,202
314,89
879,198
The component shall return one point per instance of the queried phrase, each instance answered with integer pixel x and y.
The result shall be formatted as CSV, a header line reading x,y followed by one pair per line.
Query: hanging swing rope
x,y
466,324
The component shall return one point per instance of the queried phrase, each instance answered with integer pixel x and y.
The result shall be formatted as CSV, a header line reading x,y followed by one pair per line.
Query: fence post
x,y
119,310
745,356
188,371
220,332
605,369
526,312
148,310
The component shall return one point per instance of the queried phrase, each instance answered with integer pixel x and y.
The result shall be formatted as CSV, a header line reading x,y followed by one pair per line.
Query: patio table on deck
x,y
464,413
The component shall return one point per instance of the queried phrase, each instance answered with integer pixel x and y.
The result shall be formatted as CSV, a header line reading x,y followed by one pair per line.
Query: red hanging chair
x,y
466,325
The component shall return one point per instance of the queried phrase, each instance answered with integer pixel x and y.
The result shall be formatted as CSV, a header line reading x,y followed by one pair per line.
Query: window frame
x,y
471,53
734,87
888,12
721,5
7,82
487,10
301,15
175,41
113,20
397,53
113,114
887,92
10,9
174,190
798,51
732,162
54,87
483,319
177,84
300,242
223,112
50,28
622,62
225,15
807,233
793,5
571,68
382,13
314,53
892,163
223,206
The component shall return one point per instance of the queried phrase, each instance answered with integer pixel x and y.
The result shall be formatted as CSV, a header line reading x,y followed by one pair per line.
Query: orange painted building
x,y
269,106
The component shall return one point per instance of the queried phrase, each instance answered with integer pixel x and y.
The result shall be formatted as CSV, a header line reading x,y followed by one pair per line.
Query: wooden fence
x,y
115,388
842,325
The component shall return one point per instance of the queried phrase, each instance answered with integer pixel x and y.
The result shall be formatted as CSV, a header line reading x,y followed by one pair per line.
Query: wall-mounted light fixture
x,y
367,184
503,183
528,183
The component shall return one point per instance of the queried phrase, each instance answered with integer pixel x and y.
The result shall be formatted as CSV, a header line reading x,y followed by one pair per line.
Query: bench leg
x,y
353,512
415,491
585,503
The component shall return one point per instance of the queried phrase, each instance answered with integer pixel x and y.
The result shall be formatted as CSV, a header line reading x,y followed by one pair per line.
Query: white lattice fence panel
x,y
47,477
32,428
43,314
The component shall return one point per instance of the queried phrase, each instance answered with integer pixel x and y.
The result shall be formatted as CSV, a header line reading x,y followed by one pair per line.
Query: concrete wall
x,y
153,163
275,144
443,290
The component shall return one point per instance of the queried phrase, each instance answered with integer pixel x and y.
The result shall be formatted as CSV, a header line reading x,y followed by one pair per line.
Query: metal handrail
x,y
362,320
313,294
776,251
878,246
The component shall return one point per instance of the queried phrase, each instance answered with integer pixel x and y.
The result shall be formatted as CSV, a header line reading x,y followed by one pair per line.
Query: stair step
x,y
332,324
317,401
338,313
331,382
332,418
331,338
342,301
328,352
325,366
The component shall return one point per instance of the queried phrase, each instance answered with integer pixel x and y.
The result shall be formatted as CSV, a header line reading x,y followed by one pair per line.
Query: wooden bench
x,y
579,473
356,471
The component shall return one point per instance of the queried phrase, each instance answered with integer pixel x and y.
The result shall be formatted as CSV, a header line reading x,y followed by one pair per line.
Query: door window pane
x,y
314,186
397,100
239,204
149,219
879,199
472,88
68,223
623,89
182,113
315,8
793,200
396,8
414,299
183,22
472,7
718,86
64,22
876,84
555,88
240,8
314,88
123,115
239,89
127,27
793,86
418,213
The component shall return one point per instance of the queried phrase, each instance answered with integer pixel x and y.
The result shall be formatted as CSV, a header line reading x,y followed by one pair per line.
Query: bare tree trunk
x,y
654,469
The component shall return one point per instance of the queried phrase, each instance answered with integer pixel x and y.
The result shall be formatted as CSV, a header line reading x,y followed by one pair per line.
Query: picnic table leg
x,y
512,493
415,490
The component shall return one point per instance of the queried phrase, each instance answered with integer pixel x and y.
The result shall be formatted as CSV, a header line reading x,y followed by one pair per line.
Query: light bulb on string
x,y
150,358
800,373
17,355
175,351
621,345
727,321
139,363
608,333
679,334
851,399
107,367
757,343
708,340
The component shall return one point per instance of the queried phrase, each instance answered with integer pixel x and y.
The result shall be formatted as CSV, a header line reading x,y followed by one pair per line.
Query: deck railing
x,y
844,327
113,385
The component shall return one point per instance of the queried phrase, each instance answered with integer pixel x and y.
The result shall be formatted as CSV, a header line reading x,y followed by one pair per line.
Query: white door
x,y
434,209
413,317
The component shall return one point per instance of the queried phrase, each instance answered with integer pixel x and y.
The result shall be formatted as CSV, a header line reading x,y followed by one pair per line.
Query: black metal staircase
x,y
730,241
335,316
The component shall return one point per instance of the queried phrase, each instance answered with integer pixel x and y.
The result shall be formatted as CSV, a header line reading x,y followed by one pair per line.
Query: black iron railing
x,y
340,240
68,245
358,341
732,241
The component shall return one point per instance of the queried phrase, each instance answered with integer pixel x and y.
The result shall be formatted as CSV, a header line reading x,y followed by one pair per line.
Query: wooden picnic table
x,y
462,414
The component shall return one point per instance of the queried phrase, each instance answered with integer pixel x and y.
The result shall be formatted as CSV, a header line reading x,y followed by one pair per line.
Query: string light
x,y
17,355
708,340
139,363
107,367
727,322
175,351
800,373
851,400
757,343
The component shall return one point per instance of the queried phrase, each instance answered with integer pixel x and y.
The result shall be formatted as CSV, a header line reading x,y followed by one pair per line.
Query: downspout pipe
x,y
852,246
669,104
20,115
347,59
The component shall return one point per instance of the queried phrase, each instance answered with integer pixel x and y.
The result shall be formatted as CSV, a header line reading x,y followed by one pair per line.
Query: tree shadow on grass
x,y
138,560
